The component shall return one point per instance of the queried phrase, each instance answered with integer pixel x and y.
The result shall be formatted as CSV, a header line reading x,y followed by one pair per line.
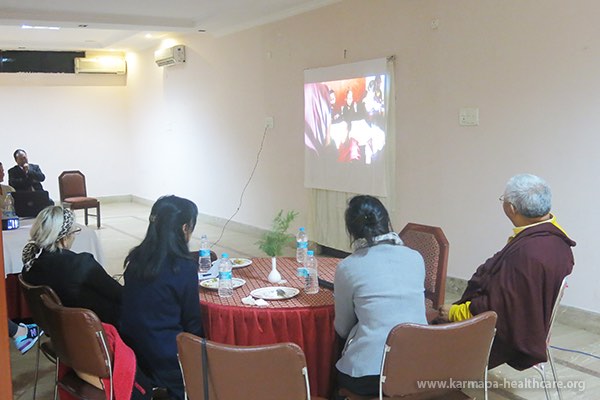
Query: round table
x,y
15,240
306,319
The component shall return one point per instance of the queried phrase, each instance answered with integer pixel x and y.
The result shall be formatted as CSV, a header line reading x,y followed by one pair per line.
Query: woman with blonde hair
x,y
77,278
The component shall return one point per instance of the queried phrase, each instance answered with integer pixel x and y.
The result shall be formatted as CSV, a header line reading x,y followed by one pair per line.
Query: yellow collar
x,y
552,221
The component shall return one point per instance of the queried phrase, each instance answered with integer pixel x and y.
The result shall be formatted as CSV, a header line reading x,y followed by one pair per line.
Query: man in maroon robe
x,y
521,282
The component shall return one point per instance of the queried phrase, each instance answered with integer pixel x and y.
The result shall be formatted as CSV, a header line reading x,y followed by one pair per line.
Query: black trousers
x,y
12,328
362,386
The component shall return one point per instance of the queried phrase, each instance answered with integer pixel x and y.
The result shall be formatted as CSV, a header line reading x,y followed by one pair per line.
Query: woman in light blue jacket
x,y
377,287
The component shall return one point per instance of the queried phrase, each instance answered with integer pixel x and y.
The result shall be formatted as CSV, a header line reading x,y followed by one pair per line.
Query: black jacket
x,y
79,281
21,181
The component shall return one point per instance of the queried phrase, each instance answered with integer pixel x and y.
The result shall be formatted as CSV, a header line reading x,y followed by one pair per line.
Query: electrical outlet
x,y
269,122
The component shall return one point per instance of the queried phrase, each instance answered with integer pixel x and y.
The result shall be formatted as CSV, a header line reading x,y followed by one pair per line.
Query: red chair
x,y
80,343
73,192
269,372
33,298
431,242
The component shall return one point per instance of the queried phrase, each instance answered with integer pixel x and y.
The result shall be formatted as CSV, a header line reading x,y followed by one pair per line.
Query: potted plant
x,y
273,241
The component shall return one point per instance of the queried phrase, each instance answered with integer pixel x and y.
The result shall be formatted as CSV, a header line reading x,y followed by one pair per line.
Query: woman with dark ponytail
x,y
160,297
380,285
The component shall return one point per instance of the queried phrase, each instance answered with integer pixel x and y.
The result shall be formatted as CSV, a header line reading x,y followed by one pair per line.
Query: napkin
x,y
250,301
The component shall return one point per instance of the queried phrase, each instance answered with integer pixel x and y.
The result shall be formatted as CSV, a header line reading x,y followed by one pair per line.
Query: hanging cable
x,y
260,149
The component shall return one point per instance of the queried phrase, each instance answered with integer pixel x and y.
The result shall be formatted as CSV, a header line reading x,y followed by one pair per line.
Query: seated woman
x,y
377,287
161,299
77,278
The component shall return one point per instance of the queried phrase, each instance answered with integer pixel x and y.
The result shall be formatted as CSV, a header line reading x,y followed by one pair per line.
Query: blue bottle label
x,y
225,275
302,245
204,253
302,272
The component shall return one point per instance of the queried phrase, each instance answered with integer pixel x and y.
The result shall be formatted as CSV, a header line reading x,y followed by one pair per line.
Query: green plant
x,y
272,242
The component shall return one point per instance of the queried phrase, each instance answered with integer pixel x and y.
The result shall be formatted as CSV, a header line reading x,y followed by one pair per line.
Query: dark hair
x,y
17,151
366,218
164,239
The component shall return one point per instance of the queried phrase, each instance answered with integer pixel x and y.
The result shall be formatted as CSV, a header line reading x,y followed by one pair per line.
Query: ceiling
x,y
129,25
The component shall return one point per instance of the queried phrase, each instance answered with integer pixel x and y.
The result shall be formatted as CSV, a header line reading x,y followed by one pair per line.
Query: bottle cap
x,y
224,255
302,229
310,253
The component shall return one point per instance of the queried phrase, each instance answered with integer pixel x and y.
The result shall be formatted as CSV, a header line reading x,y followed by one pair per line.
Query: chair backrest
x,y
33,297
276,371
431,242
78,338
71,184
437,353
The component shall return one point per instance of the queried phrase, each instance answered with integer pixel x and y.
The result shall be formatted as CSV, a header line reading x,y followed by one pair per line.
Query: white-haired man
x,y
520,282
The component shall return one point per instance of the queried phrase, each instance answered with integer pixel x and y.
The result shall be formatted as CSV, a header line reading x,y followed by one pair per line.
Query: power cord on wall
x,y
260,149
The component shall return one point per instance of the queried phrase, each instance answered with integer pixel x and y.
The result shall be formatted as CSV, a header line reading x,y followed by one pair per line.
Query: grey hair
x,y
529,194
50,226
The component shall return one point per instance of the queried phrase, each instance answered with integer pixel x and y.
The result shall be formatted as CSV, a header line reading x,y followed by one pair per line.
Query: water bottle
x,y
312,273
204,256
9,206
225,284
301,246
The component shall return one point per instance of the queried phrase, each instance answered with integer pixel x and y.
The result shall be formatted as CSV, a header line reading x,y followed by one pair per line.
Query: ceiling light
x,y
55,28
148,36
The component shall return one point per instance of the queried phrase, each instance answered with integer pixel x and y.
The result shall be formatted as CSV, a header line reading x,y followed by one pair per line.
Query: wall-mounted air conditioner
x,y
170,56
101,65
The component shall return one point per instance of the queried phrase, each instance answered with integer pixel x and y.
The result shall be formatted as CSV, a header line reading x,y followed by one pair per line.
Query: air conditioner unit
x,y
170,56
101,65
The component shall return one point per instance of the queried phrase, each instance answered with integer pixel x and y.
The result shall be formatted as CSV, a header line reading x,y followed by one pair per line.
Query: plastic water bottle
x,y
301,245
204,256
9,207
312,273
225,284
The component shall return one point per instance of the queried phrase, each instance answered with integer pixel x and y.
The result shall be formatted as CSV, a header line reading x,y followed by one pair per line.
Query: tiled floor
x,y
124,226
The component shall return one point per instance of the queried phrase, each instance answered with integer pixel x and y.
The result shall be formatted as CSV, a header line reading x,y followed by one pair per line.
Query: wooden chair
x,y
431,242
418,360
73,192
269,372
33,297
540,368
80,343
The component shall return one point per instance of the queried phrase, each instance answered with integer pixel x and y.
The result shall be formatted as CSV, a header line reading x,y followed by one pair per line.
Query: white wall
x,y
530,67
63,125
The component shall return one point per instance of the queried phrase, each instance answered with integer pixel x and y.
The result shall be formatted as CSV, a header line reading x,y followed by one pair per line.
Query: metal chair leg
x,y
542,371
37,366
56,379
554,375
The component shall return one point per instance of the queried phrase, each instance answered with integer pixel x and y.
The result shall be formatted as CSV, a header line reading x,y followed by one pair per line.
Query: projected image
x,y
345,119
346,138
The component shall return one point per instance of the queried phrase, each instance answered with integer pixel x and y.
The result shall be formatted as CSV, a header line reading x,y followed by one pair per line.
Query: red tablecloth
x,y
306,320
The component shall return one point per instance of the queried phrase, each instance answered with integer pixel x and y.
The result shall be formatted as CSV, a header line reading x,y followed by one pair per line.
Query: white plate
x,y
213,283
237,262
275,293
240,262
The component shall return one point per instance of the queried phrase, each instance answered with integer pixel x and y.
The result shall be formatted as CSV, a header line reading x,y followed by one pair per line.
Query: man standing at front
x,y
521,282
25,176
